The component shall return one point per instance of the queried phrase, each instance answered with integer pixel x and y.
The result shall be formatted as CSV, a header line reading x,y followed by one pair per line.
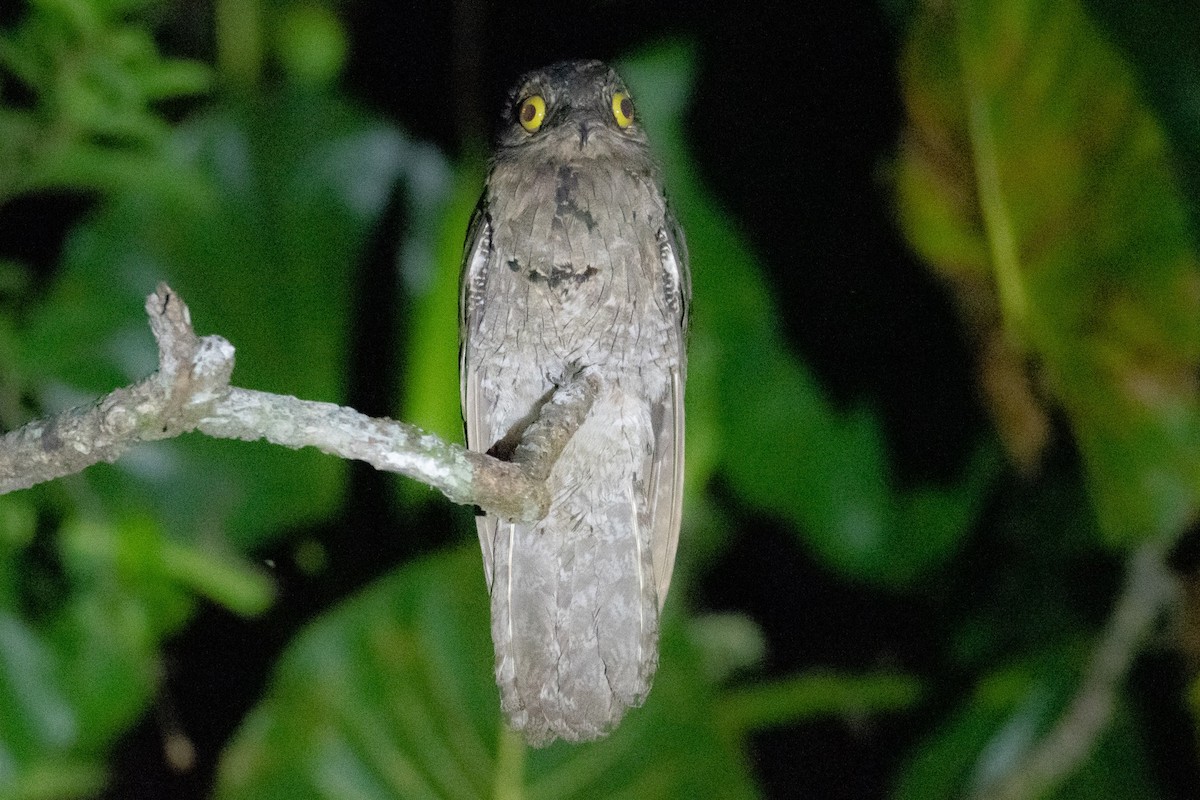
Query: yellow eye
x,y
532,112
622,108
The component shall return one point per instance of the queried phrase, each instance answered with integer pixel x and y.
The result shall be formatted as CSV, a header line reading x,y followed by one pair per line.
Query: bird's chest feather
x,y
575,270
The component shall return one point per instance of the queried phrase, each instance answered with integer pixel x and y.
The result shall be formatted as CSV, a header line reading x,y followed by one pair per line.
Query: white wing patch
x,y
472,287
665,491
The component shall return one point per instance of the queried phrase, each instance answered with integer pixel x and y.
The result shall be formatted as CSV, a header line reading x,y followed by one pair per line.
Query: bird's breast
x,y
575,272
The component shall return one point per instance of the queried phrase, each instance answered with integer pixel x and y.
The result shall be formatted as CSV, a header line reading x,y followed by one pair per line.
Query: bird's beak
x,y
583,134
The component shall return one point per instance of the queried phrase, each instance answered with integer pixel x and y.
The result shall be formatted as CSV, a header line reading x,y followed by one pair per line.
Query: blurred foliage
x,y
392,695
79,650
1043,174
1034,178
79,80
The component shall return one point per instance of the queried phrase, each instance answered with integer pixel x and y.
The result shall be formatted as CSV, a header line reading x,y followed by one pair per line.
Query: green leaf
x,y
392,695
138,550
54,779
65,695
431,398
1035,180
263,248
18,522
754,410
108,642
38,712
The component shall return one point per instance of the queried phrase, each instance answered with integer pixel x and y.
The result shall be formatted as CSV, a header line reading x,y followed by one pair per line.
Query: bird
x,y
575,262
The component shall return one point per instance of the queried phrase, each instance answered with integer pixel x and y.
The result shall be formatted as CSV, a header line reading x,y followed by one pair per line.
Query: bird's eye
x,y
532,112
622,108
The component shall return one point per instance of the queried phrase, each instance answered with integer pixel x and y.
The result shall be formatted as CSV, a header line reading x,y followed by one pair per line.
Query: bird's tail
x,y
574,619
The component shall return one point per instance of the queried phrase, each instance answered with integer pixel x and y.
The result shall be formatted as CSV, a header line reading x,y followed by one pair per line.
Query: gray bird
x,y
574,262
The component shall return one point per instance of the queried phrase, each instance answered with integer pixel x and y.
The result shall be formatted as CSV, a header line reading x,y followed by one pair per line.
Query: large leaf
x,y
431,395
756,412
1036,181
281,196
391,695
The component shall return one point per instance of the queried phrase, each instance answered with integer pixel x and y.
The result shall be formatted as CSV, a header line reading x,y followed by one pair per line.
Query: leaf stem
x,y
782,702
1149,589
997,220
510,766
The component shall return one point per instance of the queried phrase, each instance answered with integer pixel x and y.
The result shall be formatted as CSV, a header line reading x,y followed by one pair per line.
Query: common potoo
x,y
574,262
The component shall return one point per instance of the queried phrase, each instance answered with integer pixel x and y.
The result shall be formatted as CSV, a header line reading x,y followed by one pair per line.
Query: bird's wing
x,y
665,490
477,258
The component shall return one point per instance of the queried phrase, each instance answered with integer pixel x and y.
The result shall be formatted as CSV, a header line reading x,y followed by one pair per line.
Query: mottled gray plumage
x,y
574,262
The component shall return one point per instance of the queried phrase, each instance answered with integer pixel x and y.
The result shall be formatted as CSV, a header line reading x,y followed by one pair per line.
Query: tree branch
x,y
1148,589
191,391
